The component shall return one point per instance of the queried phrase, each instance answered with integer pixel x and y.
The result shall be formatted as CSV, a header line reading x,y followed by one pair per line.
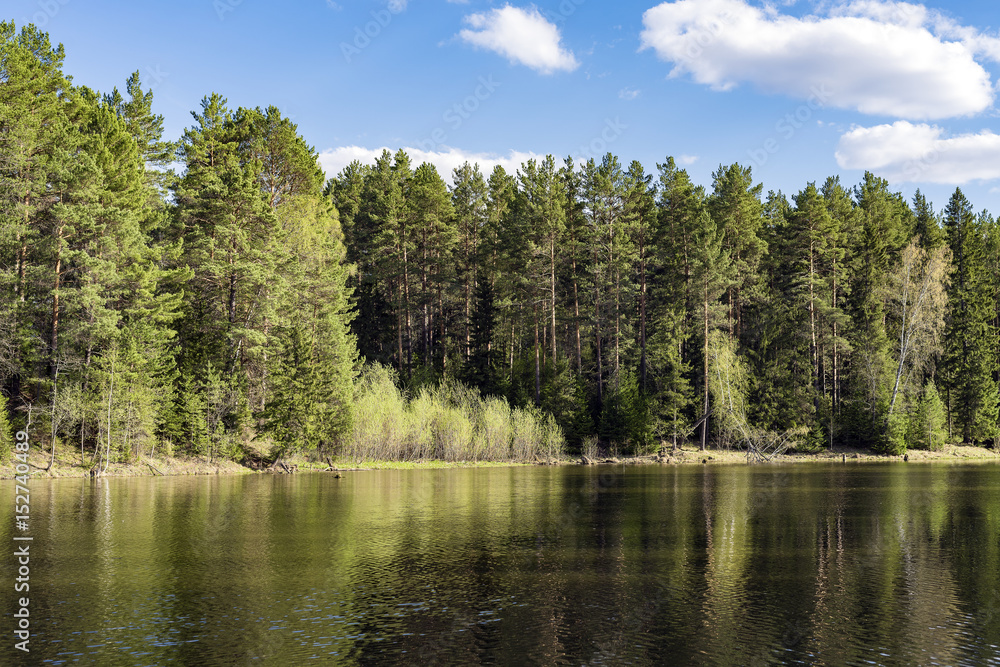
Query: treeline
x,y
205,313
230,308
632,305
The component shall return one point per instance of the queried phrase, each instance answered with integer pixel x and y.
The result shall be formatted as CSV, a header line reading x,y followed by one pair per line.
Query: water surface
x,y
755,565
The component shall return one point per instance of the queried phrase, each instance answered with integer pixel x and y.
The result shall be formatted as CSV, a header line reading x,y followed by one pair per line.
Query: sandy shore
x,y
69,464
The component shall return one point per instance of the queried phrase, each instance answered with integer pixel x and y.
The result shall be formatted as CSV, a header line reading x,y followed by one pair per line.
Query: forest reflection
x,y
603,565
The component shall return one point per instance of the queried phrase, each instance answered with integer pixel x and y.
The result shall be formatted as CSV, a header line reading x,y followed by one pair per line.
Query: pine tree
x,y
642,227
468,198
375,322
970,363
313,354
675,303
883,228
232,235
432,221
735,205
926,224
713,274
38,136
544,222
576,243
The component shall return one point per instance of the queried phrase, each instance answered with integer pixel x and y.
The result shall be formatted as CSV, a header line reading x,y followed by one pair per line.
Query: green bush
x,y
448,421
6,434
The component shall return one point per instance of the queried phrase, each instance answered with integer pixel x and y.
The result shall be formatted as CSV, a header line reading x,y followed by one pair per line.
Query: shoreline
x,y
69,466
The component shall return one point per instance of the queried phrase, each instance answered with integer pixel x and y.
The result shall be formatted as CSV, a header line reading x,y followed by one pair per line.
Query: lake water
x,y
843,564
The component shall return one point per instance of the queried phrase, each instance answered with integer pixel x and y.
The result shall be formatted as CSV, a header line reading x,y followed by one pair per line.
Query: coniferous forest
x,y
218,296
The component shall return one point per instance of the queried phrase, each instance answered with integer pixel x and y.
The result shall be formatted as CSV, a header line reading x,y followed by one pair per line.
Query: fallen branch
x,y
154,469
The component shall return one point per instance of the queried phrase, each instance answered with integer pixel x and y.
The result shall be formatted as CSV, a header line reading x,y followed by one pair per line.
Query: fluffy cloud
x,y
921,153
334,160
886,58
522,36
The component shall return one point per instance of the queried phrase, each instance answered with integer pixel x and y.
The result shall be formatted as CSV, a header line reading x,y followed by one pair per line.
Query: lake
x,y
840,564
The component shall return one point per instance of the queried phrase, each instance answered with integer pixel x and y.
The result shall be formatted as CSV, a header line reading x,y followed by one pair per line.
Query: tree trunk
x,y
54,339
538,367
597,331
704,426
836,369
576,320
22,252
642,319
552,281
406,310
812,319
399,328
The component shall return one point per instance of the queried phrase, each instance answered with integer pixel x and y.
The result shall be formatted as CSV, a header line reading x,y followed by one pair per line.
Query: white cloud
x,y
921,153
333,160
628,94
687,160
521,35
887,58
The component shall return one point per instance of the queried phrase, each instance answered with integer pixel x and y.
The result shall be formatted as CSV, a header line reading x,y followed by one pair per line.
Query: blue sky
x,y
797,90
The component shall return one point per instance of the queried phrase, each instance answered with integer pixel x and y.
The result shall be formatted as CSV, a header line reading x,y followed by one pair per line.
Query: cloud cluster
x,y
334,160
522,36
881,58
876,57
921,153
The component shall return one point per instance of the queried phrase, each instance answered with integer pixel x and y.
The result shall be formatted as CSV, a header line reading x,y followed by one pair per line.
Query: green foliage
x,y
893,441
625,419
928,423
729,383
448,421
6,433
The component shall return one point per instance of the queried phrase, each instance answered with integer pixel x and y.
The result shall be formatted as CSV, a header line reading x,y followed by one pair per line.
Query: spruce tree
x,y
928,427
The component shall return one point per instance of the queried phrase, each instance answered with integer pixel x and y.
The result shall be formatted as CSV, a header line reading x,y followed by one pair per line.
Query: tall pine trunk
x,y
54,339
704,426
576,320
538,362
552,283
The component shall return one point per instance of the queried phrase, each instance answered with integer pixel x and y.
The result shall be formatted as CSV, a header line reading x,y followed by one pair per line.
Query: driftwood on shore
x,y
262,464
